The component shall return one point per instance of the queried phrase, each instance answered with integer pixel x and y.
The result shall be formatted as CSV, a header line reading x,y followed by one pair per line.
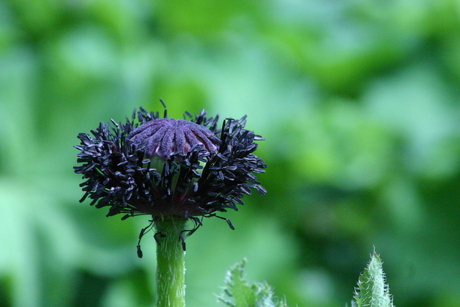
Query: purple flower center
x,y
164,137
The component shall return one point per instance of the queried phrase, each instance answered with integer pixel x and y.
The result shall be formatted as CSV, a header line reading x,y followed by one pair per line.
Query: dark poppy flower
x,y
169,168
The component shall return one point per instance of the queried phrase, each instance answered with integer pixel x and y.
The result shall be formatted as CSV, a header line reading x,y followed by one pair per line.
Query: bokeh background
x,y
358,102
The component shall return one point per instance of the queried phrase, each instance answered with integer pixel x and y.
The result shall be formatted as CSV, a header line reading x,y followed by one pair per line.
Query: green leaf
x,y
372,289
238,292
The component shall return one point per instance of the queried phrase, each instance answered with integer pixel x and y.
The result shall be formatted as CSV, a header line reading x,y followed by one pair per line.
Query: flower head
x,y
169,168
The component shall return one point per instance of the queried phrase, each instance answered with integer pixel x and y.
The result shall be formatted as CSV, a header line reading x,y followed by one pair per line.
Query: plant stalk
x,y
170,264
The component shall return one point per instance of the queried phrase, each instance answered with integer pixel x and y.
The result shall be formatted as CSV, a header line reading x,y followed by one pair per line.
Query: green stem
x,y
170,264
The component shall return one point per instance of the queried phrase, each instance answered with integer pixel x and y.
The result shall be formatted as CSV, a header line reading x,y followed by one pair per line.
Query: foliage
x,y
239,293
373,291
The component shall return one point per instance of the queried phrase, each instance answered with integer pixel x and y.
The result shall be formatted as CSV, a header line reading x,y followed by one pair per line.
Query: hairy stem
x,y
170,264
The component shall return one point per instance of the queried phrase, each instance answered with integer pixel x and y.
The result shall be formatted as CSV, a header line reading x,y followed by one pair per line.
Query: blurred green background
x,y
359,104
